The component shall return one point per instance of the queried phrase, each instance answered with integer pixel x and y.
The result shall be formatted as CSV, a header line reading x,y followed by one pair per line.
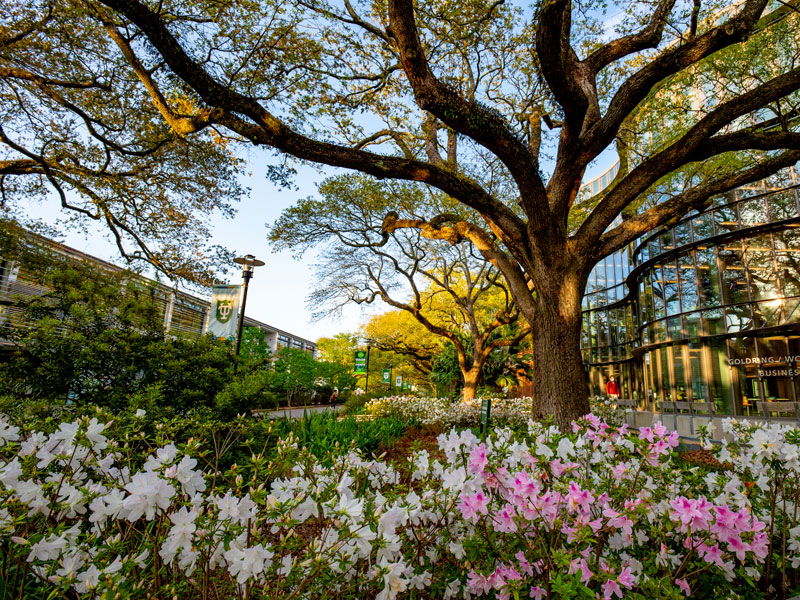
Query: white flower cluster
x,y
90,514
85,519
444,412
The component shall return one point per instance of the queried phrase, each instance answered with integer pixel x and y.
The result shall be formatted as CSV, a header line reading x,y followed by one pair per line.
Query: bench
x,y
766,408
699,409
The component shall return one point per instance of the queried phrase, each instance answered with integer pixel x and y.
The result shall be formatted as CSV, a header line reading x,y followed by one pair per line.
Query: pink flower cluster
x,y
707,526
555,507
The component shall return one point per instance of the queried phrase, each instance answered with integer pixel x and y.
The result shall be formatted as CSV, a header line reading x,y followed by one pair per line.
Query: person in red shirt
x,y
612,388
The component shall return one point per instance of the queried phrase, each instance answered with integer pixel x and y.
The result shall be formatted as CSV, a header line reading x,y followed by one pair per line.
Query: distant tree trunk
x,y
471,379
559,380
472,372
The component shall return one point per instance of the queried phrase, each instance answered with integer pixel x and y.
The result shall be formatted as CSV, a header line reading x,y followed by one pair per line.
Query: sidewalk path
x,y
297,413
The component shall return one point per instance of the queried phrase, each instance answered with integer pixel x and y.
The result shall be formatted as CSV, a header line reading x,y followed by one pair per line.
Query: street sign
x,y
486,409
387,376
360,365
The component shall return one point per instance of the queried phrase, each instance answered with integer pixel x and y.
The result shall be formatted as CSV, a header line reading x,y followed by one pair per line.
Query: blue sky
x,y
278,290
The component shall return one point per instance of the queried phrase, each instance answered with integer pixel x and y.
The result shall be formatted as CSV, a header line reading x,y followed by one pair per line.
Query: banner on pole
x,y
225,300
387,374
398,381
360,365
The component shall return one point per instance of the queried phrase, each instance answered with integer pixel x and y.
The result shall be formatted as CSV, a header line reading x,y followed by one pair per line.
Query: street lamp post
x,y
248,262
366,381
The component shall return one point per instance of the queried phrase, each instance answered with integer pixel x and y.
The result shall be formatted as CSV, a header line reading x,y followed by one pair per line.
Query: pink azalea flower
x,y
569,532
611,588
579,499
586,572
504,520
712,555
619,471
738,547
681,583
691,513
524,486
524,565
760,545
556,468
473,505
478,460
538,593
626,579
478,584
580,564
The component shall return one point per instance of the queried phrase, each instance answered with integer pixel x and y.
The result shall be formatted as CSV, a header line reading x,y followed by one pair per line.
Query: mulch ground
x,y
704,458
414,439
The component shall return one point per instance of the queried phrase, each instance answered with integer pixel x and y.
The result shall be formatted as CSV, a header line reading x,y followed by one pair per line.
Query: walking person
x,y
612,388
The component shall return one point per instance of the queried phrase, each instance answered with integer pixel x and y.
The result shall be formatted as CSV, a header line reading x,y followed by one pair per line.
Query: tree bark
x,y
471,379
560,387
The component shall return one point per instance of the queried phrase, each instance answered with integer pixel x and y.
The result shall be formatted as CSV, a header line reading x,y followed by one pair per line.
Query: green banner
x,y
387,376
360,365
486,409
224,317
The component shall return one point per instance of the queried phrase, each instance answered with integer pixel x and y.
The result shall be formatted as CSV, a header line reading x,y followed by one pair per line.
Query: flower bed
x,y
443,412
595,512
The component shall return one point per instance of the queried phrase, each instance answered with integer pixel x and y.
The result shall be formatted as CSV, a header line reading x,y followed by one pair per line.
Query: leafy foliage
x,y
452,96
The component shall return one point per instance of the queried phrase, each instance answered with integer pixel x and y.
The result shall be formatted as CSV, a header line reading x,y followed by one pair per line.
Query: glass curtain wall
x,y
714,313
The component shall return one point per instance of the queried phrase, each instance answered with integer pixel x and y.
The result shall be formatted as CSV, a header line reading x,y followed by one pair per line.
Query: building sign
x,y
224,310
387,376
360,365
761,360
778,373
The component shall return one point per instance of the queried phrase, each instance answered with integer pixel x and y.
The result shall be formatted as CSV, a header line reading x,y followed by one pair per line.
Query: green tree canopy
x,y
450,95
79,127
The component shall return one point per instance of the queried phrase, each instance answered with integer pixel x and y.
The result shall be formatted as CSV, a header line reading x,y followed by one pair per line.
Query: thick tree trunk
x,y
471,379
559,380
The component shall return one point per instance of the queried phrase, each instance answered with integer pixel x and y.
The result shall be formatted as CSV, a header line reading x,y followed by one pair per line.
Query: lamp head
x,y
248,262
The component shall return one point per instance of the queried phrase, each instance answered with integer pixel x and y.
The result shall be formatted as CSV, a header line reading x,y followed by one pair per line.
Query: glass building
x,y
706,310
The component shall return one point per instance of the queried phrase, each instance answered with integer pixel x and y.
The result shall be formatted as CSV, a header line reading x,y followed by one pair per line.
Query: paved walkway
x,y
297,412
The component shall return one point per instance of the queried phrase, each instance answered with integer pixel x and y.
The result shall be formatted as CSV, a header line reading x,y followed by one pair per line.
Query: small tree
x,y
295,373
451,290
94,337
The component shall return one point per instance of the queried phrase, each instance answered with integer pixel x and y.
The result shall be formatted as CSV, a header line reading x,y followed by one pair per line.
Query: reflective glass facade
x,y
707,310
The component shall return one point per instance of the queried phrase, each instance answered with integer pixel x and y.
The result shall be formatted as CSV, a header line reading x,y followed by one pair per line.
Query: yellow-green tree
x,y
410,346
450,290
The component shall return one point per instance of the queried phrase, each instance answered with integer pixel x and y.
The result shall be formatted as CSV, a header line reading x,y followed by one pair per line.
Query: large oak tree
x,y
78,126
395,89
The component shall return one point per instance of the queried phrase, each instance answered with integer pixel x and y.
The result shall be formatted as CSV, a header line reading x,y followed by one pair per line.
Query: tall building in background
x,y
705,310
